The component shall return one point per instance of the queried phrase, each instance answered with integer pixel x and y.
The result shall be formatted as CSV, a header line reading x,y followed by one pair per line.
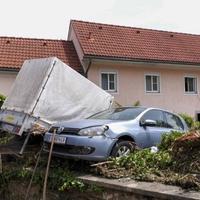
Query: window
x,y
155,115
119,114
109,81
152,83
190,85
173,121
198,117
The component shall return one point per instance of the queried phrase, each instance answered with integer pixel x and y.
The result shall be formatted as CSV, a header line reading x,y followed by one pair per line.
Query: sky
x,y
50,19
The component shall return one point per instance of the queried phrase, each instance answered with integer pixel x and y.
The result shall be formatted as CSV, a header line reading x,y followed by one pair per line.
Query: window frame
x,y
158,91
195,86
115,90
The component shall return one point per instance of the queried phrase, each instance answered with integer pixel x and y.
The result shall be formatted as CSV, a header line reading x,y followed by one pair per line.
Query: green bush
x,y
168,139
144,161
2,99
188,119
196,125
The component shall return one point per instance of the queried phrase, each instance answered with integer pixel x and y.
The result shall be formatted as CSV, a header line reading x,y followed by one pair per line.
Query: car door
x,y
154,133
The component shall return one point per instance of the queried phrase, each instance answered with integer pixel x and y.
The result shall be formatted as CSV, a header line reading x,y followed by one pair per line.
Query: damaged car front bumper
x,y
81,147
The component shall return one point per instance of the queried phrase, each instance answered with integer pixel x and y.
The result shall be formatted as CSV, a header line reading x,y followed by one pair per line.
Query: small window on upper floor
x,y
152,83
109,81
191,85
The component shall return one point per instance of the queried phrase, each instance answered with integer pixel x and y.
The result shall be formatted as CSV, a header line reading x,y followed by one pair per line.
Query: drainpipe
x,y
89,65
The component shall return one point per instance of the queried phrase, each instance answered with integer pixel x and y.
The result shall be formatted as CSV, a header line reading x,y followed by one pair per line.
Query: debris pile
x,y
177,162
141,165
186,153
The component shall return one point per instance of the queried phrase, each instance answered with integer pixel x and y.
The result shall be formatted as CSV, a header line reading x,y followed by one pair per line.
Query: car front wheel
x,y
123,148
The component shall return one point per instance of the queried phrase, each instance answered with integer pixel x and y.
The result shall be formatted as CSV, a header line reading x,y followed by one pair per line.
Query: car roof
x,y
148,108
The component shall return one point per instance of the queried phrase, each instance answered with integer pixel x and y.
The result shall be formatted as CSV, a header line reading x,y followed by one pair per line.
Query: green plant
x,y
141,165
5,138
196,125
188,119
144,160
2,99
168,139
60,177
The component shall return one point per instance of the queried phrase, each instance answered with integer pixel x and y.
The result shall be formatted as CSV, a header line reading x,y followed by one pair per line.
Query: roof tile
x,y
136,43
13,51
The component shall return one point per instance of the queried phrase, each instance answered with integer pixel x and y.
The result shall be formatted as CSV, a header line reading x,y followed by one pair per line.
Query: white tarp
x,y
28,85
49,89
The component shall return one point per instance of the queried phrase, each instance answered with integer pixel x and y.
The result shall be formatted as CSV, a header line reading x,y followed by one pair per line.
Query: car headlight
x,y
93,131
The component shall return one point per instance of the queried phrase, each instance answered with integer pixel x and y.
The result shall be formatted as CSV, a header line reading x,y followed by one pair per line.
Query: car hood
x,y
80,124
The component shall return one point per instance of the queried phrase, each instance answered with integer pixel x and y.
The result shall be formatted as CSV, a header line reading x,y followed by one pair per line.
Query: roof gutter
x,y
3,69
141,61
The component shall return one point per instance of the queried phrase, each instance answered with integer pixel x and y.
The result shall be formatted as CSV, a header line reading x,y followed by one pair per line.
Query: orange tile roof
x,y
137,44
13,51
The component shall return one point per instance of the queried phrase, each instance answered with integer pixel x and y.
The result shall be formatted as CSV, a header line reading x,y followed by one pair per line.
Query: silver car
x,y
116,132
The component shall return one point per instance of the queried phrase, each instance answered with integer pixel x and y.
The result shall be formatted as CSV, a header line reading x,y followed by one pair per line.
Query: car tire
x,y
123,148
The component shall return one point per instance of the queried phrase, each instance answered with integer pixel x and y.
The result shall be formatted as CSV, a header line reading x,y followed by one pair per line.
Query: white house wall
x,y
131,85
6,81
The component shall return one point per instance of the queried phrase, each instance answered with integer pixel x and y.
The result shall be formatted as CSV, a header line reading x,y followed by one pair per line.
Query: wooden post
x,y
1,168
48,164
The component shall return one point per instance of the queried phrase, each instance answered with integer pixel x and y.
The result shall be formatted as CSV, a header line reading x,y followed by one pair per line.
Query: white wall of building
x,y
6,81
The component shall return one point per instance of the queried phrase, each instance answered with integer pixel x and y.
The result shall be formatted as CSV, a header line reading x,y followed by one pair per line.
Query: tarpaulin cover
x,y
49,89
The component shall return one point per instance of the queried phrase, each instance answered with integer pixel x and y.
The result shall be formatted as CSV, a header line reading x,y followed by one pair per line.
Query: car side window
x,y
156,115
173,121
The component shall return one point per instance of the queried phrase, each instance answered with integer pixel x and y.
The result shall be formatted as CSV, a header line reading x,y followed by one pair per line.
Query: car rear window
x,y
119,114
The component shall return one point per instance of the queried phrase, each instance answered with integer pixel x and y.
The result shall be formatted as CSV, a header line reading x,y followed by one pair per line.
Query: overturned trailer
x,y
46,91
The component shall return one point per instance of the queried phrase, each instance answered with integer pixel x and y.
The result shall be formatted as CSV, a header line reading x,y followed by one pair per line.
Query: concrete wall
x,y
128,189
131,85
6,81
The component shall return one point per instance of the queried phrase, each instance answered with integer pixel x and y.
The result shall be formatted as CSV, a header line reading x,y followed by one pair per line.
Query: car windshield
x,y
119,114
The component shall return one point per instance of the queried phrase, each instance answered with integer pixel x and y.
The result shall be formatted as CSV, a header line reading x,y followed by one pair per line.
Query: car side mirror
x,y
148,122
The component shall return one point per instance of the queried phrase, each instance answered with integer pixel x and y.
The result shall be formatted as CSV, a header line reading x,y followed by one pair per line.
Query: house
x,y
13,52
158,68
